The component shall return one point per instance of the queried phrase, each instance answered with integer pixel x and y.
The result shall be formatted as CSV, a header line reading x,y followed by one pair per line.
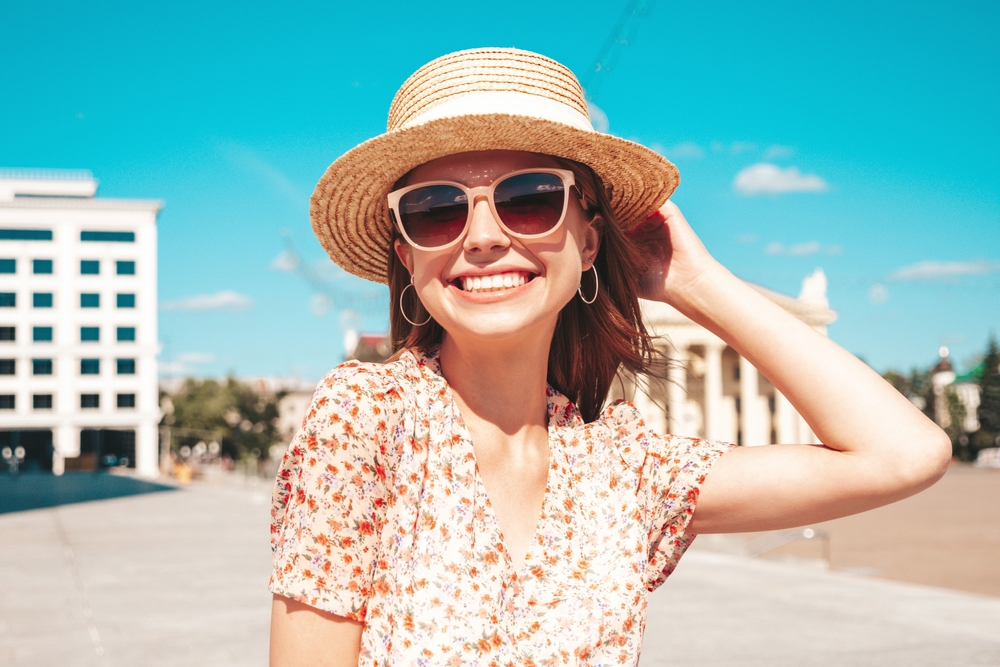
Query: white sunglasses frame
x,y
568,179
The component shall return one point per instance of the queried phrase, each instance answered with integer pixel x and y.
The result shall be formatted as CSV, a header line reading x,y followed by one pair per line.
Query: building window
x,y
90,334
126,366
90,367
126,334
6,401
124,268
126,400
41,401
25,234
41,300
90,400
90,300
41,265
41,367
126,301
113,237
7,367
41,334
8,299
6,333
90,267
8,266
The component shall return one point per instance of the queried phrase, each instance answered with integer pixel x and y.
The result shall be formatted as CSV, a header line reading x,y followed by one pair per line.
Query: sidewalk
x,y
179,578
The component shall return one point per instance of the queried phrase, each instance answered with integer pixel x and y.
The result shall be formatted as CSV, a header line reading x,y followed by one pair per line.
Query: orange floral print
x,y
379,514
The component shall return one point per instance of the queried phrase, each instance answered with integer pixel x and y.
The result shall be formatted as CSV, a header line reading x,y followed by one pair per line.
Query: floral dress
x,y
380,515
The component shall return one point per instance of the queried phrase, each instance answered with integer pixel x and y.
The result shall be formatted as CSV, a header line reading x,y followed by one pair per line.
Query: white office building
x,y
78,324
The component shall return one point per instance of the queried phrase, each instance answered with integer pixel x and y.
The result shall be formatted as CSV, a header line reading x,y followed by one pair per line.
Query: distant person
x,y
472,501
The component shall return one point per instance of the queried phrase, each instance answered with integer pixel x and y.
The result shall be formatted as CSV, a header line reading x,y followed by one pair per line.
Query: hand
x,y
676,256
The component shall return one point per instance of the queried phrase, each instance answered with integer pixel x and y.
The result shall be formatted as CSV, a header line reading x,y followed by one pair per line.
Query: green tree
x,y
956,428
242,418
989,397
916,386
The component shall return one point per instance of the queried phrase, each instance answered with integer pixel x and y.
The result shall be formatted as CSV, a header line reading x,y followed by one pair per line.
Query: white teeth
x,y
493,283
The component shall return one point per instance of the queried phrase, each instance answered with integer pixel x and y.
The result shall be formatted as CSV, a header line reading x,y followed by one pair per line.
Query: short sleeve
x,y
329,500
671,470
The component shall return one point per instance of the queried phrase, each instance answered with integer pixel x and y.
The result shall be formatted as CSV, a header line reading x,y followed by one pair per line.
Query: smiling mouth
x,y
494,283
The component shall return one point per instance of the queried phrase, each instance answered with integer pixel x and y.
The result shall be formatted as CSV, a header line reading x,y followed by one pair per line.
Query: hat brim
x,y
350,212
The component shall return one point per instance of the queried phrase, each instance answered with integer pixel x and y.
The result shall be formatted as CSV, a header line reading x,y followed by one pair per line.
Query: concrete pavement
x,y
179,578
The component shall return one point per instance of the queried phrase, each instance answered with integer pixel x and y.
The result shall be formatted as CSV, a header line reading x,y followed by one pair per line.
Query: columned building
x,y
78,324
712,391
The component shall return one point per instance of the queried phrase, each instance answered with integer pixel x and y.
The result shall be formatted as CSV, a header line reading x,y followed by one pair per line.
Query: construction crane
x,y
624,33
340,297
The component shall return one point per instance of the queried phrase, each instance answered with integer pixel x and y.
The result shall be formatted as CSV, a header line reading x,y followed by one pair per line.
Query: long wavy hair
x,y
592,344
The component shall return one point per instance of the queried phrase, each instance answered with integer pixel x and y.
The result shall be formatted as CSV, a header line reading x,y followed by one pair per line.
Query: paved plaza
x,y
178,577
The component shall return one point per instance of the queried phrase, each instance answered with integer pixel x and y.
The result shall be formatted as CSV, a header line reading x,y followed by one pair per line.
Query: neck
x,y
500,382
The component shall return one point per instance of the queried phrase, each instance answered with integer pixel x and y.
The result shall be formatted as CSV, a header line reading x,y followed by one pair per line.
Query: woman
x,y
469,502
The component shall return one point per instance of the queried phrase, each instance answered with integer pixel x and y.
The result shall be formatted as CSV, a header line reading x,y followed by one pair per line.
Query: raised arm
x,y
878,447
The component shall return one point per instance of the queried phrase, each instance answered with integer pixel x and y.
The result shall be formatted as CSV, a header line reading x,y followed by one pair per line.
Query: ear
x,y
592,239
405,254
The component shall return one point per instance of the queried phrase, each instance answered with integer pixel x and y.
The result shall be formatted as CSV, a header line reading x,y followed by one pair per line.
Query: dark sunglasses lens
x,y
434,215
530,203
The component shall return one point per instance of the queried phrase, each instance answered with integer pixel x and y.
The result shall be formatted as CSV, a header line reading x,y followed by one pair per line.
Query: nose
x,y
485,233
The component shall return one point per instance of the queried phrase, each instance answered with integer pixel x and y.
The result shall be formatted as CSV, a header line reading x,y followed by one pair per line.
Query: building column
x,y
677,391
749,405
786,420
713,391
147,454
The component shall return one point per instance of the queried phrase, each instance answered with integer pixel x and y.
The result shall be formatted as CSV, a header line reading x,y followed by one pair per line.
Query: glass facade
x,y
125,300
113,237
126,366
41,367
90,267
126,334
90,334
90,367
41,334
125,268
41,300
8,266
90,300
41,265
8,299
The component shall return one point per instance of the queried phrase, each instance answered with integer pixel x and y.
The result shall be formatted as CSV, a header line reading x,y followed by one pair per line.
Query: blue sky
x,y
230,112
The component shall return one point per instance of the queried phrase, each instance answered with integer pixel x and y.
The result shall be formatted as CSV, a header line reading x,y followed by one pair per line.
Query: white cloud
x,y
598,118
195,358
320,304
777,151
735,148
769,179
285,261
685,149
945,271
878,294
746,238
801,249
165,368
223,300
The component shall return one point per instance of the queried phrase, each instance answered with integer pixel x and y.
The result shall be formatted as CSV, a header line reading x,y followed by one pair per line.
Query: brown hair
x,y
592,344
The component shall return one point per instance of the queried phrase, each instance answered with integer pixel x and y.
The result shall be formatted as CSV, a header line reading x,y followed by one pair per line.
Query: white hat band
x,y
504,102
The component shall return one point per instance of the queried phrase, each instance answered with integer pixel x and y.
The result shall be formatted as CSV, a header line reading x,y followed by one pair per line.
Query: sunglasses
x,y
527,204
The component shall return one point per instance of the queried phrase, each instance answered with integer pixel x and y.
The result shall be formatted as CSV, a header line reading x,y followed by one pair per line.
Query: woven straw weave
x,y
349,210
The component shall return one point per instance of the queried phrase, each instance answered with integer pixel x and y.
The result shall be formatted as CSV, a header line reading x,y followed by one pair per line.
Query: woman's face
x,y
549,266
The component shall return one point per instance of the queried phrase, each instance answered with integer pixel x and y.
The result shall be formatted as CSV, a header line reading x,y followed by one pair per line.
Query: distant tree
x,y
989,396
955,428
242,418
916,386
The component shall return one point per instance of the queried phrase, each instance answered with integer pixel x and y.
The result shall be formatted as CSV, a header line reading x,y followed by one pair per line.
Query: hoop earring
x,y
402,311
597,287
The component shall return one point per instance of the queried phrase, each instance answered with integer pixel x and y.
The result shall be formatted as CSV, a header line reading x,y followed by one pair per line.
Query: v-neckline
x,y
519,571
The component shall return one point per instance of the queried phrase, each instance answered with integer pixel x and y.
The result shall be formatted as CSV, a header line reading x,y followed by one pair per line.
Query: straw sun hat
x,y
481,99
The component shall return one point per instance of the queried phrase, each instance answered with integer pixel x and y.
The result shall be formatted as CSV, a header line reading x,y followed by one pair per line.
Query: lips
x,y
493,283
